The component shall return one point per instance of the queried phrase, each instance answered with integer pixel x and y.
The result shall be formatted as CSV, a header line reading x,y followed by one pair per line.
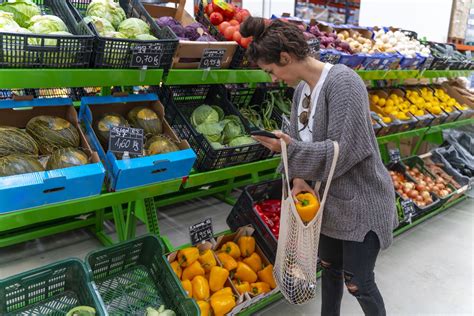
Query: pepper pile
x,y
269,212
205,280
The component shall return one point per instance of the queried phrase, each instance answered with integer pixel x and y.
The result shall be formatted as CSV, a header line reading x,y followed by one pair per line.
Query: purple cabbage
x,y
308,36
206,38
192,31
178,30
166,21
314,30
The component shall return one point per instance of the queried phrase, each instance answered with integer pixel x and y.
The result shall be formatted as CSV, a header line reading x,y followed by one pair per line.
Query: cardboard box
x,y
40,188
133,172
189,53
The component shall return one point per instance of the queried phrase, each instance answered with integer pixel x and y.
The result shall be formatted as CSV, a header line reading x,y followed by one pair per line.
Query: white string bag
x,y
297,253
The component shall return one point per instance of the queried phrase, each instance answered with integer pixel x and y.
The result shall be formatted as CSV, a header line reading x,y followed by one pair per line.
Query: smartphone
x,y
263,133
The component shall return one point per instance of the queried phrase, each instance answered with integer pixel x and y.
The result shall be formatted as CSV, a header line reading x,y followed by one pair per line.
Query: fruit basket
x,y
30,50
121,52
54,289
246,212
182,101
134,275
412,104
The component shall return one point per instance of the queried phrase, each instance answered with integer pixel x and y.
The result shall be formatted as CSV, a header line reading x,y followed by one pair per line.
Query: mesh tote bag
x,y
297,253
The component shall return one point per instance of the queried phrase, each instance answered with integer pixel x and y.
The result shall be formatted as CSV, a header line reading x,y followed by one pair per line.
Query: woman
x,y
330,103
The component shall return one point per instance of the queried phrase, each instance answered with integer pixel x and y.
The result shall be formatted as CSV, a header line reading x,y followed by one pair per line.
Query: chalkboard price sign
x,y
394,155
314,48
147,55
126,139
408,208
201,231
212,58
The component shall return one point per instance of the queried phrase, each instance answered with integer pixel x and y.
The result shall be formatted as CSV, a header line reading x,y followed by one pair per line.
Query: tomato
x,y
244,13
245,42
229,33
223,26
237,37
234,22
216,18
209,9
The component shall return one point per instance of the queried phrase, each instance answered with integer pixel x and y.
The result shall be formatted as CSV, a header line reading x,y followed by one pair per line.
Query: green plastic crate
x,y
134,275
50,290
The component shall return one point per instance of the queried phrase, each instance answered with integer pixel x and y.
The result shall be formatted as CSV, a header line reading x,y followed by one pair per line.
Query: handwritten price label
x,y
147,55
201,231
122,139
212,58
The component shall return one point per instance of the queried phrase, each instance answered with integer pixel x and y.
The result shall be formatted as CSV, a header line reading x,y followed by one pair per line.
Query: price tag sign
x,y
212,58
428,61
122,139
201,231
148,55
408,208
314,48
394,155
332,58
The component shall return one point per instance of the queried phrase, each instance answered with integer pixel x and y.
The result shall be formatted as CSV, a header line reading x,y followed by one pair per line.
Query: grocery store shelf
x,y
52,78
407,74
199,76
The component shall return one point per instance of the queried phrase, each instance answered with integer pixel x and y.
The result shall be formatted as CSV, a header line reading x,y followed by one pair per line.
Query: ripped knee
x,y
351,286
325,265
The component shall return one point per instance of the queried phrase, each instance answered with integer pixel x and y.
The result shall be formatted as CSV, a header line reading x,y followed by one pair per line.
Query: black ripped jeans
x,y
351,263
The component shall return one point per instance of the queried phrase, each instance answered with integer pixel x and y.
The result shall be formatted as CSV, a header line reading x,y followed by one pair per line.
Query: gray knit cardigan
x,y
361,197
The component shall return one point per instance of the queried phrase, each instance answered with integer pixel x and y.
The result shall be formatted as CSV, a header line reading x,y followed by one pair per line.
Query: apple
x,y
209,9
244,13
237,37
223,26
229,33
234,22
245,42
216,18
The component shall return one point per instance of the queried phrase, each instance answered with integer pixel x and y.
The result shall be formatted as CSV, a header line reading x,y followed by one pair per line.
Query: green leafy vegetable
x,y
45,24
204,114
133,27
22,10
107,9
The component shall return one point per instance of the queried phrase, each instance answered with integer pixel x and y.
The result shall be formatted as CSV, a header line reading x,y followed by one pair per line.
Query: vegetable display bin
x,y
51,186
189,53
121,53
50,290
28,50
243,213
139,171
180,103
134,275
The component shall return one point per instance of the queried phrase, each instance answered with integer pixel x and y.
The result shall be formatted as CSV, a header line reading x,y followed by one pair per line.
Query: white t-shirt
x,y
306,133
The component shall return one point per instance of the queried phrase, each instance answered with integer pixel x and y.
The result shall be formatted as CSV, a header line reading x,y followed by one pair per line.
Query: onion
x,y
396,184
409,185
425,194
422,182
419,198
420,187
421,204
449,190
429,201
404,196
411,173
439,180
415,170
443,193
413,194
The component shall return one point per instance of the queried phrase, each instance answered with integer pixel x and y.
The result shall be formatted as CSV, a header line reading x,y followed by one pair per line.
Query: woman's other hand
x,y
272,143
299,186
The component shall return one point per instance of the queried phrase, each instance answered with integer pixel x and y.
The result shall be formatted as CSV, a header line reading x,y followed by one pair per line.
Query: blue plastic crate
x,y
35,189
133,172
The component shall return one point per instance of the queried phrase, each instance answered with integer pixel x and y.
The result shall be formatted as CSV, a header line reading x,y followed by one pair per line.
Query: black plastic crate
x,y
19,50
243,213
180,102
243,95
134,275
117,53
50,290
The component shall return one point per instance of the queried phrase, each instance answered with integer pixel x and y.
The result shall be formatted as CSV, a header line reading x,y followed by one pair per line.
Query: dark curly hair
x,y
272,39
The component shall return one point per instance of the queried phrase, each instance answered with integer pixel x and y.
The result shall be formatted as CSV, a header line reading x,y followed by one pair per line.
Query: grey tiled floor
x,y
427,271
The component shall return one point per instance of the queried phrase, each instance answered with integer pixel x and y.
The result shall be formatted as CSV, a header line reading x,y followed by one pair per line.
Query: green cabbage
x,y
7,23
204,114
45,24
53,41
114,35
145,37
212,131
232,130
133,27
22,10
107,9
102,25
241,141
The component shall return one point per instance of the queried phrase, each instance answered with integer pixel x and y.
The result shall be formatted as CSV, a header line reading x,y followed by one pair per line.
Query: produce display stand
x,y
127,206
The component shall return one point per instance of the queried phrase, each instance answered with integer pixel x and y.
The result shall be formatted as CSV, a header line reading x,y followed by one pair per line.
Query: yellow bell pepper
x,y
200,288
193,270
259,288
222,304
207,260
245,273
177,268
232,249
307,206
205,308
242,287
266,275
217,278
228,262
254,262
246,245
188,287
188,256
226,290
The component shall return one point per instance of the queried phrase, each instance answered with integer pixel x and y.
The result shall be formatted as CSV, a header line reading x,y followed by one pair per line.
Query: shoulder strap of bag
x,y
284,158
